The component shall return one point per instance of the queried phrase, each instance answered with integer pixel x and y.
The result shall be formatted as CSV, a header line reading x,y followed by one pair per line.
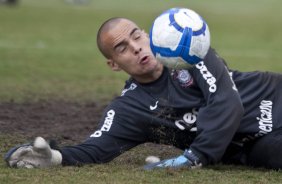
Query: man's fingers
x,y
24,164
38,154
41,146
21,152
40,143
19,155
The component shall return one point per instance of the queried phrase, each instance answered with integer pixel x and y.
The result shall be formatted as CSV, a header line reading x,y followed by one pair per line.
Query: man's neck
x,y
151,77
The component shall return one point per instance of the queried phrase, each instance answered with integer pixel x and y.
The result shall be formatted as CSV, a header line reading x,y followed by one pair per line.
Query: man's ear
x,y
113,65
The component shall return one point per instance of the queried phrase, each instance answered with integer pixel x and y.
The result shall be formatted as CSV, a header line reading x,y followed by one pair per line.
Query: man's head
x,y
126,47
106,27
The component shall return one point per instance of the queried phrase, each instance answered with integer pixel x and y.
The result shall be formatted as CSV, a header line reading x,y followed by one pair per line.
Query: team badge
x,y
184,77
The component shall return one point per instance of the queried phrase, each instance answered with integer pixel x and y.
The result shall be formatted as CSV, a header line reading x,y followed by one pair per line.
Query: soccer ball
x,y
179,38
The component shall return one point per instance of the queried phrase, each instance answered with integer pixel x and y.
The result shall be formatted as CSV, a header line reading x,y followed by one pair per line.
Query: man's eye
x,y
137,35
121,49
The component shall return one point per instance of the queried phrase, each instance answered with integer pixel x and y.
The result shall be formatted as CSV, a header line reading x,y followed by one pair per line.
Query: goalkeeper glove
x,y
188,159
36,155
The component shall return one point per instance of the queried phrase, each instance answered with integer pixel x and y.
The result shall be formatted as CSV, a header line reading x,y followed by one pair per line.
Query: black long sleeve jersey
x,y
203,108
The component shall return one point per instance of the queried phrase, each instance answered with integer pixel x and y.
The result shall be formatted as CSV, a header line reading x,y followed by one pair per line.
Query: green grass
x,y
115,173
128,169
48,51
48,48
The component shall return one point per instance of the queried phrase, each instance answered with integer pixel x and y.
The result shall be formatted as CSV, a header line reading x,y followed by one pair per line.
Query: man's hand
x,y
36,155
188,159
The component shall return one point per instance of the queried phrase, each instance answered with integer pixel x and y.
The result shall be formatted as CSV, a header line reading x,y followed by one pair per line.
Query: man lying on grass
x,y
239,123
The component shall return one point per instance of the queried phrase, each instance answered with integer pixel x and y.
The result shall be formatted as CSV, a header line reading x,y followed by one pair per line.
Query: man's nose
x,y
136,48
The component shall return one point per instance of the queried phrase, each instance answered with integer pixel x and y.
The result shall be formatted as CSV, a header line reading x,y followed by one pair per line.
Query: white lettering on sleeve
x,y
210,79
107,124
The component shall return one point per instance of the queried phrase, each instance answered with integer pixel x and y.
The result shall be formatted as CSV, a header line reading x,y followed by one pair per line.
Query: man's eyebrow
x,y
133,31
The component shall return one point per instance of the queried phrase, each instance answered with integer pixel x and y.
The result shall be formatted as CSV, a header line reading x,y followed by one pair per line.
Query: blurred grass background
x,y
48,48
48,51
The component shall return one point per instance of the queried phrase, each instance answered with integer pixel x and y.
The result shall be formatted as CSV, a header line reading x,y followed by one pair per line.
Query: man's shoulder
x,y
129,90
130,85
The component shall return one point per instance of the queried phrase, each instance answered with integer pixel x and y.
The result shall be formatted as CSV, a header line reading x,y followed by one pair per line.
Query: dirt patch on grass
x,y
65,122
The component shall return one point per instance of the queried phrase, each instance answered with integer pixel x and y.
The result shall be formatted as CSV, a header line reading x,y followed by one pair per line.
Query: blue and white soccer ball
x,y
179,38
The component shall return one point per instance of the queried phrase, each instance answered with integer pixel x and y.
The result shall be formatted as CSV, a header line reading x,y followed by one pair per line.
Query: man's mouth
x,y
144,60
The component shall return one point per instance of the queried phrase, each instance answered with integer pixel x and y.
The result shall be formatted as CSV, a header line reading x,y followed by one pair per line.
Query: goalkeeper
x,y
214,114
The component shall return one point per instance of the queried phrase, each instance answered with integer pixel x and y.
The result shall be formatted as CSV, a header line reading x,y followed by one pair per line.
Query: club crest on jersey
x,y
183,77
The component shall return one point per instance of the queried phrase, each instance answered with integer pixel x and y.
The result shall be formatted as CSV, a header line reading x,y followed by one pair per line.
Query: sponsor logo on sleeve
x,y
209,78
107,124
231,77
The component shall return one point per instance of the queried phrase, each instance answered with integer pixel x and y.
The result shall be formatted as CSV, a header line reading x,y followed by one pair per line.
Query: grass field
x,y
48,51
